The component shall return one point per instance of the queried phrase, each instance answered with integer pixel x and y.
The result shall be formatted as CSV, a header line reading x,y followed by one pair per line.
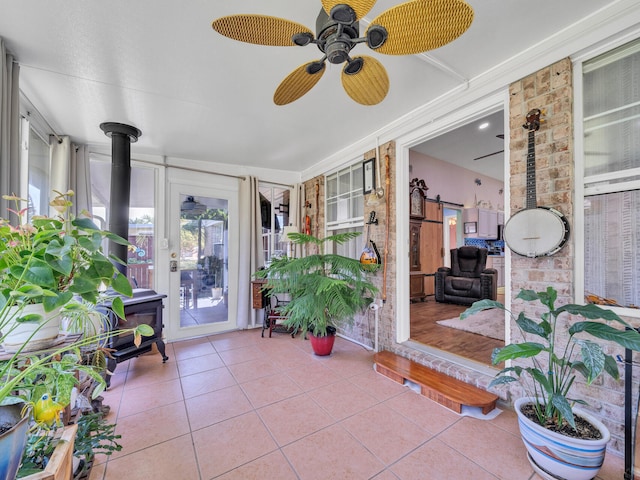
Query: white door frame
x,y
208,185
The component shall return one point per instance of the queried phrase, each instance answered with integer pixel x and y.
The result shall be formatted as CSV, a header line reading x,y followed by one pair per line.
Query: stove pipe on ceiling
x,y
122,136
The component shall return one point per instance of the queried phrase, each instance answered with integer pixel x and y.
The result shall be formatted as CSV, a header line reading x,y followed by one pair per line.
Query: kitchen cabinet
x,y
487,222
497,262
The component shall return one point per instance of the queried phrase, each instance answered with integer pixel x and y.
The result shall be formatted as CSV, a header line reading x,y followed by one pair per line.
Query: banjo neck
x,y
532,124
531,201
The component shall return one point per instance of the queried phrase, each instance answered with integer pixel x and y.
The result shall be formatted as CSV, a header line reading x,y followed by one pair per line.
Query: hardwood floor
x,y
424,329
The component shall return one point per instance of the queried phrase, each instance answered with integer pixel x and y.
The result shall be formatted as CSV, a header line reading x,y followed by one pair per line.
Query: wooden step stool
x,y
446,390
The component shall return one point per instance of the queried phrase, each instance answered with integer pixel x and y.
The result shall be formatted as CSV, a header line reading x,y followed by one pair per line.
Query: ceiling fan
x,y
500,136
408,28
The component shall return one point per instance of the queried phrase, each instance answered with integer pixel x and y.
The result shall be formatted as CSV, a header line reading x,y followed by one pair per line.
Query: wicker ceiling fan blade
x,y
420,25
259,29
361,7
369,85
298,82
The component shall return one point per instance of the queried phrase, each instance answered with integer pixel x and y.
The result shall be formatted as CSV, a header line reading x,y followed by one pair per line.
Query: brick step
x,y
446,390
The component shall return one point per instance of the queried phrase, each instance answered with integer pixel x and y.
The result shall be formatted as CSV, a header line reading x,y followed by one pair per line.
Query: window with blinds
x,y
611,126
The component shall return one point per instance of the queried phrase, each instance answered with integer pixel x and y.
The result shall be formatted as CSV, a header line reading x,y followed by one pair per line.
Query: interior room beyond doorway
x,y
463,170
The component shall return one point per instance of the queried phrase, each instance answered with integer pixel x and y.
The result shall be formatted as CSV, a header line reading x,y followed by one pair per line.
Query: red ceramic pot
x,y
322,346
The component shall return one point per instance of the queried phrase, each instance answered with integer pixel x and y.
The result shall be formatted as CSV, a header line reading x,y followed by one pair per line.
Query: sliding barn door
x,y
431,250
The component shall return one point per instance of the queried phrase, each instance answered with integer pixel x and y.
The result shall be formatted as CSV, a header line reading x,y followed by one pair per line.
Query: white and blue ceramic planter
x,y
554,456
13,441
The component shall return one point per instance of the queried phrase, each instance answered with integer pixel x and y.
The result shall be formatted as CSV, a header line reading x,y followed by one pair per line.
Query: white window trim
x,y
352,222
579,188
349,222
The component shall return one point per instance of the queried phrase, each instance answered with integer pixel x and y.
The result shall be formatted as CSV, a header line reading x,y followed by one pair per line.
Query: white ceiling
x,y
158,65
477,149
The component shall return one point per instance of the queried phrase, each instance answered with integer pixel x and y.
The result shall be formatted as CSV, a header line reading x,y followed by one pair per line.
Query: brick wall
x,y
549,89
363,328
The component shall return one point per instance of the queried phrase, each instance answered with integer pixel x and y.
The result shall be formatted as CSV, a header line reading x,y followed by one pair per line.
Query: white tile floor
x,y
238,406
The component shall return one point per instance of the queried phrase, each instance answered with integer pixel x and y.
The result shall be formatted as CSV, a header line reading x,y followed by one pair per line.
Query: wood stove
x,y
144,307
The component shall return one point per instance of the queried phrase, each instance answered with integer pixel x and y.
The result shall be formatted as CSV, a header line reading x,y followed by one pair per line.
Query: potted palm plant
x,y
325,289
57,264
562,441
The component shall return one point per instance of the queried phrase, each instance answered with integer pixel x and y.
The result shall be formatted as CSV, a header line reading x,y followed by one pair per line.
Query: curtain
x,y
251,257
70,171
59,160
9,128
80,178
296,213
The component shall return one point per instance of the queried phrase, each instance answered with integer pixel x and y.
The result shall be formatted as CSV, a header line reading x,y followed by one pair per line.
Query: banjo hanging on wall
x,y
535,231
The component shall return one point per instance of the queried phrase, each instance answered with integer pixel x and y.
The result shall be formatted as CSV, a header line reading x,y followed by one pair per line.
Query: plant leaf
x,y
593,359
121,284
517,350
626,338
117,305
541,378
561,404
592,312
38,273
502,380
144,330
85,224
480,306
528,295
527,325
611,367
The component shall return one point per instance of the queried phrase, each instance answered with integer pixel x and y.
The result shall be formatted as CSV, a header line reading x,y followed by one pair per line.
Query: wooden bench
x,y
446,390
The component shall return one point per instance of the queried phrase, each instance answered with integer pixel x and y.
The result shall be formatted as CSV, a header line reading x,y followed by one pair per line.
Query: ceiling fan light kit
x,y
409,28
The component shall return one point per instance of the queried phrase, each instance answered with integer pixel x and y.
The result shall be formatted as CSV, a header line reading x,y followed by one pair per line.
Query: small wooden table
x,y
258,295
272,316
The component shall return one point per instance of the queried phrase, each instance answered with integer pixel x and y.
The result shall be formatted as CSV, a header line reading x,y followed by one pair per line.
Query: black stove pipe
x,y
122,136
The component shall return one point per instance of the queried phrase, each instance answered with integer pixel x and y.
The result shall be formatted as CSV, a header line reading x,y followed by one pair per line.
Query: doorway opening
x,y
464,172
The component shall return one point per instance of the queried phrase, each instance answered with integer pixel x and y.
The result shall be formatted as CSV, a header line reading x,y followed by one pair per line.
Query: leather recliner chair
x,y
467,280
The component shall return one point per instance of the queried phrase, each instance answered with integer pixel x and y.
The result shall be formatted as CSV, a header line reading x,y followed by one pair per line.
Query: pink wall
x,y
456,184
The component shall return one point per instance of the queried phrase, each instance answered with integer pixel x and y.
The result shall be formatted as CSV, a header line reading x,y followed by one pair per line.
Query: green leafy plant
x,y
59,262
52,259
325,289
558,355
94,436
40,446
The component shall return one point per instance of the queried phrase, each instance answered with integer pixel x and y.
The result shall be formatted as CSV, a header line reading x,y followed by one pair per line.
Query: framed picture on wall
x,y
368,176
470,227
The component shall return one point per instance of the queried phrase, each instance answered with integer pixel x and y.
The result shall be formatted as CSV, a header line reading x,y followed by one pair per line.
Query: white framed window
x,y
36,164
609,178
142,216
274,210
345,207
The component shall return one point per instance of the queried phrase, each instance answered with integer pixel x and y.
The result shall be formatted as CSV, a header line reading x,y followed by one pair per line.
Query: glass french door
x,y
202,252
